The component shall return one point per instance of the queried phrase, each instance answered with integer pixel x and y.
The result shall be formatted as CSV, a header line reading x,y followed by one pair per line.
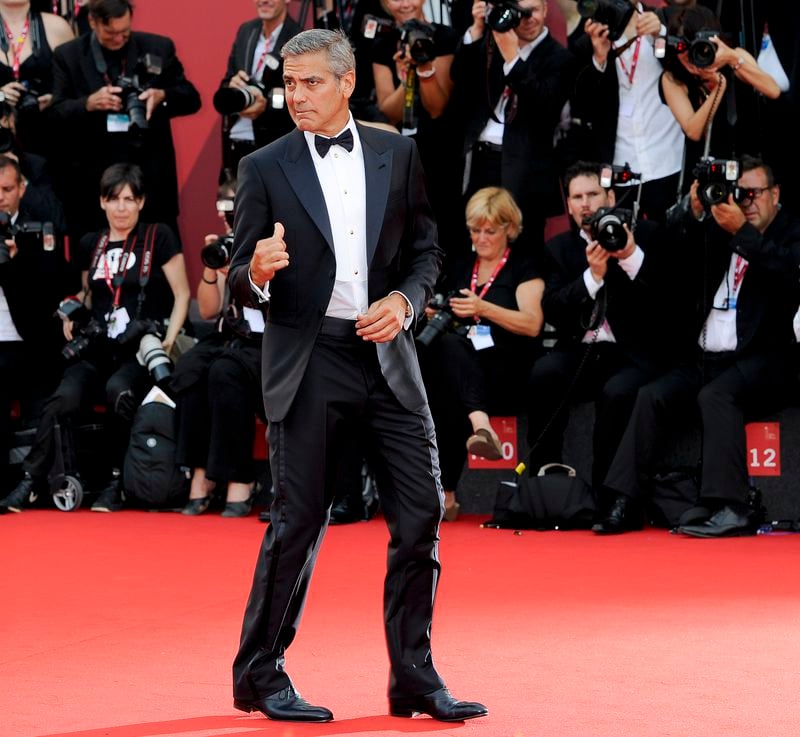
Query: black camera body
x,y
614,175
232,100
716,180
218,254
607,227
26,235
504,15
85,328
614,13
147,70
414,32
29,98
442,321
418,35
702,51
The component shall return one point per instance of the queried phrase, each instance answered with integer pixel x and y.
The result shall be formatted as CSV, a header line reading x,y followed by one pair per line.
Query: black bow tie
x,y
345,140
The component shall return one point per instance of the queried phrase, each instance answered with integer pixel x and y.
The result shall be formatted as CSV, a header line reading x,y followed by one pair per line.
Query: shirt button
x,y
352,232
356,272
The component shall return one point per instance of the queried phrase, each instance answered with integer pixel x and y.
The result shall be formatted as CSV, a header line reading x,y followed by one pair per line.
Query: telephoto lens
x,y
154,358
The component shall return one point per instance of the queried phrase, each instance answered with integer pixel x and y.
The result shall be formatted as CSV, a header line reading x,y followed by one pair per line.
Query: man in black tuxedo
x,y
333,229
603,304
736,352
509,90
256,57
96,128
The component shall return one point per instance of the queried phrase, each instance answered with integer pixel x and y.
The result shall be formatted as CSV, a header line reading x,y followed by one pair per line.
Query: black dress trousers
x,y
343,381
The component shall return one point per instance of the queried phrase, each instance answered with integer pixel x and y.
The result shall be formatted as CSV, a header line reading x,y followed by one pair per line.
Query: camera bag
x,y
555,499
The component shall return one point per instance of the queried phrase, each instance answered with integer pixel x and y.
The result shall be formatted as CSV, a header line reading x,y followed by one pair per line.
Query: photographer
x,y
33,276
742,293
695,93
115,92
217,386
132,275
26,69
617,101
482,366
411,70
255,70
512,79
603,302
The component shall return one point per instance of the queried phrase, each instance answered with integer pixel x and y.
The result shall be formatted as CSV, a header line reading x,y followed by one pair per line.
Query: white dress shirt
x,y
8,331
719,333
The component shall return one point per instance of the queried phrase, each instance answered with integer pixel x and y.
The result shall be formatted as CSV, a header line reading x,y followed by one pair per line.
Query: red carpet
x,y
125,625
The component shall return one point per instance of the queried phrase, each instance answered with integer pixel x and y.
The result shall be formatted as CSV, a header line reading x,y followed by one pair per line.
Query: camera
x,y
504,15
145,73
217,255
232,100
85,328
151,353
441,321
613,13
419,37
26,235
29,98
607,227
716,180
702,50
373,26
613,175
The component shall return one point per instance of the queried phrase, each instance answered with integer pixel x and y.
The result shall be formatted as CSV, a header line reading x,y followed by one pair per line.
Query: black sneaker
x,y
110,499
23,496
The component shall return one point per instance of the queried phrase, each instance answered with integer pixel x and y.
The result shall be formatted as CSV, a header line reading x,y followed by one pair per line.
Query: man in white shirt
x,y
334,229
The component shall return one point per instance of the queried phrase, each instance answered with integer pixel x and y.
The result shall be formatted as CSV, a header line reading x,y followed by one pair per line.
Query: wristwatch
x,y
2,96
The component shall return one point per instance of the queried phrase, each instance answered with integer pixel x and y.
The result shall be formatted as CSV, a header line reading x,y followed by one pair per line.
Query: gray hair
x,y
341,58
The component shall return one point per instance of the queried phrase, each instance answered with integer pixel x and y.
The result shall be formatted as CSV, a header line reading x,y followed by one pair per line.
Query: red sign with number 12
x,y
764,448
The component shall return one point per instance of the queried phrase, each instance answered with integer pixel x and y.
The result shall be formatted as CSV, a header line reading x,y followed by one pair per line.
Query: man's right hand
x,y
476,30
270,256
106,99
697,207
598,33
239,80
597,256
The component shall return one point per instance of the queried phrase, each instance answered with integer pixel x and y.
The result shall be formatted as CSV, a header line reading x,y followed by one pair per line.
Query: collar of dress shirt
x,y
350,124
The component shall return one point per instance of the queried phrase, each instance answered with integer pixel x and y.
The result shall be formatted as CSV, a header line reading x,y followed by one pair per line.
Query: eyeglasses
x,y
749,195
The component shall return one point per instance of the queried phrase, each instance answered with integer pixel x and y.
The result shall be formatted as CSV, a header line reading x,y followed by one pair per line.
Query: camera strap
x,y
409,100
14,44
100,62
473,282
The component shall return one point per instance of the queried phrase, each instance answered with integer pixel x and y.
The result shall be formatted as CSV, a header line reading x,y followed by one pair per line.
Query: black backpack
x,y
150,474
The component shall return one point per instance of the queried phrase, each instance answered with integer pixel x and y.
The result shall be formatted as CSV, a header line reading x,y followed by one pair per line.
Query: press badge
x,y
481,337
117,123
117,322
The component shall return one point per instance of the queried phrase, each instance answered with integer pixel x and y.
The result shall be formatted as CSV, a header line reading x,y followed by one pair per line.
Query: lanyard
x,y
15,44
271,41
738,273
114,281
473,283
637,48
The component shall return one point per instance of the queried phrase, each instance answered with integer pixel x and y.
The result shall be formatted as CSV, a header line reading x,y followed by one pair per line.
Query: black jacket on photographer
x,y
273,122
105,263
88,146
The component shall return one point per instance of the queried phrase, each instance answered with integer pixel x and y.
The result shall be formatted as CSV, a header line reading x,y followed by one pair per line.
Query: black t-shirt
x,y
158,294
445,41
518,269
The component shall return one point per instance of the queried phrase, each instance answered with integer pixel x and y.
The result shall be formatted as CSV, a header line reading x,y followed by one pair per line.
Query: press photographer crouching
x,y
479,362
33,276
135,299
217,385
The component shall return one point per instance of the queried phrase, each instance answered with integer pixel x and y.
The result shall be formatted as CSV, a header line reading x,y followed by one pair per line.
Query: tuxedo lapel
x,y
302,177
378,174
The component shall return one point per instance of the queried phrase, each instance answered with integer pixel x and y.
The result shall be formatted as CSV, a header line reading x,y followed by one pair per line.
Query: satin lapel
x,y
302,177
378,170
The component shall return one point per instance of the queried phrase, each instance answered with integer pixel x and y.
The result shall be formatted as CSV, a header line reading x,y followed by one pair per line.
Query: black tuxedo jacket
x,y
278,183
633,307
541,85
272,123
87,146
770,291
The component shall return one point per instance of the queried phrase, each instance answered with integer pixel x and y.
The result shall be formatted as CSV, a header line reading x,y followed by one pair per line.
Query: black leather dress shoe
x,y
285,706
345,511
726,522
439,705
623,516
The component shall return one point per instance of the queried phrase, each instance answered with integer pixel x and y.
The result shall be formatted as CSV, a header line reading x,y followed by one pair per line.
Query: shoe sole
x,y
408,714
249,708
